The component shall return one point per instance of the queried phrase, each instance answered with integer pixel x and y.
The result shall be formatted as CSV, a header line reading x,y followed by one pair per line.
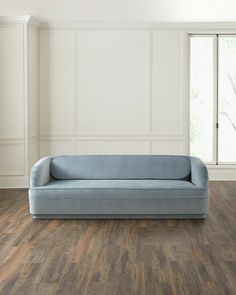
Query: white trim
x,y
128,137
26,95
76,86
149,80
185,91
10,140
12,143
115,134
39,92
220,172
222,166
12,173
18,19
33,22
98,25
98,138
194,27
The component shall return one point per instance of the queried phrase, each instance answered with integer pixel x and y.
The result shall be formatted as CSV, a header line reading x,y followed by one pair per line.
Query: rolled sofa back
x,y
120,167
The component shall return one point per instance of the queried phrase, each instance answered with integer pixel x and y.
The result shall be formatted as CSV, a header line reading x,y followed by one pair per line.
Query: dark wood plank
x,y
141,257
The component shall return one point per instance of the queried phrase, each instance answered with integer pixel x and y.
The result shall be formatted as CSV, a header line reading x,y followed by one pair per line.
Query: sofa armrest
x,y
199,173
40,173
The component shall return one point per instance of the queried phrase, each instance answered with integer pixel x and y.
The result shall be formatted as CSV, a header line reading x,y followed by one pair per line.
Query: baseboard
x,y
222,173
14,182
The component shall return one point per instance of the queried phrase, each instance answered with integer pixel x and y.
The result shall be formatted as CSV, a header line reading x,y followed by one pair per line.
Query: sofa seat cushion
x,y
119,189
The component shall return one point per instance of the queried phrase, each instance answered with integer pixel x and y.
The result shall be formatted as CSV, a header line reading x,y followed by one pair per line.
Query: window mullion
x,y
215,98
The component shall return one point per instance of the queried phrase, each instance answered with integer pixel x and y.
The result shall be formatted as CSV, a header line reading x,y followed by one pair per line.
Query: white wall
x,y
112,91
118,88
104,89
134,10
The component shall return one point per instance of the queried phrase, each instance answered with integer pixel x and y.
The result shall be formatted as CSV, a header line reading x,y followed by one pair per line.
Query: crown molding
x,y
33,22
121,25
19,19
140,25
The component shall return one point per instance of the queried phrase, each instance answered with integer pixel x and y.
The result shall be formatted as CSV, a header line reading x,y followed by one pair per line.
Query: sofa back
x,y
120,167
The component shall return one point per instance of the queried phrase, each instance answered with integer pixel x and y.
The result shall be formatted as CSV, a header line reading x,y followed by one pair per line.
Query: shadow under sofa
x,y
119,186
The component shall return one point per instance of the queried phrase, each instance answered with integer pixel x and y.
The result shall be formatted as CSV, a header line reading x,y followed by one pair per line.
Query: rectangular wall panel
x,y
117,147
57,81
56,147
112,81
12,159
167,101
11,82
168,147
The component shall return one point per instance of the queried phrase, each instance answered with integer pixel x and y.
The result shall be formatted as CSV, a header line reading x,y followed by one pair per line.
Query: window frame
x,y
215,36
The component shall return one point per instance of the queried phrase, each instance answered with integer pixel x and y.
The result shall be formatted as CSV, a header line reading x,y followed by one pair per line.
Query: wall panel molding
x,y
12,160
167,146
11,73
75,101
112,81
57,81
11,140
91,44
149,69
129,136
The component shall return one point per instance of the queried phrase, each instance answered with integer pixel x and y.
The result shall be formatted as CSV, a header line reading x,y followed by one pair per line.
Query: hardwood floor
x,y
124,257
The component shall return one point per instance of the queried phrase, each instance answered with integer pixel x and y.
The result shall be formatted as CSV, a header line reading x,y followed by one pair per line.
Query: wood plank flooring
x,y
123,257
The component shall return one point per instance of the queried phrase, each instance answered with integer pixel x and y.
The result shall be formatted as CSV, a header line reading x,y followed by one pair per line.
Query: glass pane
x,y
227,99
201,97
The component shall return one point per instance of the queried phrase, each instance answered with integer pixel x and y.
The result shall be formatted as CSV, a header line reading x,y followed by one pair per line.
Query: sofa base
x,y
120,216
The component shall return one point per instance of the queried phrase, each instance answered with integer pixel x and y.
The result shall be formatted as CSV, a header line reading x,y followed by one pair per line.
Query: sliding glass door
x,y
213,98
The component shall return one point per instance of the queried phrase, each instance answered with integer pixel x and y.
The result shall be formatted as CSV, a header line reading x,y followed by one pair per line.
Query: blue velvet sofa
x,y
119,186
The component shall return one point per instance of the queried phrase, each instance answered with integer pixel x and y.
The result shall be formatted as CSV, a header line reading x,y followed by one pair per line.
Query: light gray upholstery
x,y
120,167
40,173
199,173
119,186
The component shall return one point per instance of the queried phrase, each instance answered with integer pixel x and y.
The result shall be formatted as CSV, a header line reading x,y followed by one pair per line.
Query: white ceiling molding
x,y
19,19
193,26
141,25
